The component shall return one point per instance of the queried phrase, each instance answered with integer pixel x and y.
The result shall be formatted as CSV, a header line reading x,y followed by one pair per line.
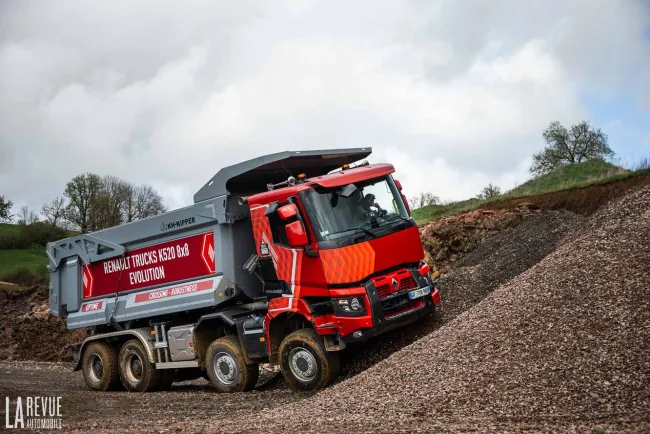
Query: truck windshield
x,y
373,209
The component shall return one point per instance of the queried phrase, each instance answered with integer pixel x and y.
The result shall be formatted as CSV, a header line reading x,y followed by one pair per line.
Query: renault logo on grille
x,y
395,284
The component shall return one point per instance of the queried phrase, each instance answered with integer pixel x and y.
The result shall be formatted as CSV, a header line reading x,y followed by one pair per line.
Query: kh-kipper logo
x,y
177,224
33,412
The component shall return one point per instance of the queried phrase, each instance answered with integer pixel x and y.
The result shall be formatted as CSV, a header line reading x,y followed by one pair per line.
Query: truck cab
x,y
343,255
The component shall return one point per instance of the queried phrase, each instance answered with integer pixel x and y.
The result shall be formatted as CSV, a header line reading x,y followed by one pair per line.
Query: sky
x,y
455,94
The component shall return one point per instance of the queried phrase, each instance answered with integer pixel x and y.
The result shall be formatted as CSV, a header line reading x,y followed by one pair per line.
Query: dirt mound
x,y
28,331
584,201
448,239
563,345
503,255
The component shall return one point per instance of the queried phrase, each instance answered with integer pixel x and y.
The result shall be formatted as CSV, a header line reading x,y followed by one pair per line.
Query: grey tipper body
x,y
216,209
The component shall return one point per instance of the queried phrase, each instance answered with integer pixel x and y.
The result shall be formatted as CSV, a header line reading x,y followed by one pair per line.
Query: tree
x,y
27,216
98,203
142,202
54,211
570,146
82,191
5,209
489,192
424,199
109,204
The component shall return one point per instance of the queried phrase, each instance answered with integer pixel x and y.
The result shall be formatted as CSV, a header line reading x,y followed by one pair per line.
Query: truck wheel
x,y
136,372
99,366
227,368
304,362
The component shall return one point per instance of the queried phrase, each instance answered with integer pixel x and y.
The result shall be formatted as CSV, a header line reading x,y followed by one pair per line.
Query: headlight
x,y
350,304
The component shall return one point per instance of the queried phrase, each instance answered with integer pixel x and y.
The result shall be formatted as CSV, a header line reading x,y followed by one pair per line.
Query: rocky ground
x,y
28,331
543,327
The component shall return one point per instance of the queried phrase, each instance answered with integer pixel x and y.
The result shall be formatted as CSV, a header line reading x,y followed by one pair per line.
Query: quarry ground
x,y
544,327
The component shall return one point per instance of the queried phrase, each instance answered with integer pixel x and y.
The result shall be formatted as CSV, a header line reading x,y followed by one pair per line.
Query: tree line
x,y
564,146
89,203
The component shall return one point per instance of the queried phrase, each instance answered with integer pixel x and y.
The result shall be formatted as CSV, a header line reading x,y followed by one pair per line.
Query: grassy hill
x,y
9,229
22,265
564,178
574,175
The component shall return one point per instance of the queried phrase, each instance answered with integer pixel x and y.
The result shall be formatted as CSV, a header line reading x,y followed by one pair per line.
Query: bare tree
x,y
424,199
82,191
564,146
27,216
489,192
54,211
147,202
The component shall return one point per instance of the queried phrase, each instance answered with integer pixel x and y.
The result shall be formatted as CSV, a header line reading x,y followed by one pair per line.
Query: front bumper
x,y
383,325
385,313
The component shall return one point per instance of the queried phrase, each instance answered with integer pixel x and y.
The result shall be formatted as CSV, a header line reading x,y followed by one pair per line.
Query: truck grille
x,y
399,305
387,289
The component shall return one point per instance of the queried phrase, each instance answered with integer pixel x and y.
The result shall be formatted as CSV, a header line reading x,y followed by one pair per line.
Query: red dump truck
x,y
284,259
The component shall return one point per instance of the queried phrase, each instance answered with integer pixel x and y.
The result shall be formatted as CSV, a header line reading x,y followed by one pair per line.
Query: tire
x,y
136,372
100,368
304,362
227,368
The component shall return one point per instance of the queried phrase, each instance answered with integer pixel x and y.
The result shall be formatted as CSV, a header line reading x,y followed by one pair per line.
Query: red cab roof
x,y
335,179
350,176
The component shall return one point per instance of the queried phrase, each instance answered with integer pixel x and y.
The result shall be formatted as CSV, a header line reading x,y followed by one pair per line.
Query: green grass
x,y
572,176
564,178
9,229
22,261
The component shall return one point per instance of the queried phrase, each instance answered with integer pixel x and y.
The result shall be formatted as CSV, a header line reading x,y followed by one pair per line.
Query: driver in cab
x,y
367,202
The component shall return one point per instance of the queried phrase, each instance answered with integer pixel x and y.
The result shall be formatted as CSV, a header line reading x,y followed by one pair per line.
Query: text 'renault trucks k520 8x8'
x,y
287,259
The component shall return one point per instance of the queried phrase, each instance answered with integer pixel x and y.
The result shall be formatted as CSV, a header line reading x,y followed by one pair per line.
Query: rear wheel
x,y
136,372
227,368
304,362
99,365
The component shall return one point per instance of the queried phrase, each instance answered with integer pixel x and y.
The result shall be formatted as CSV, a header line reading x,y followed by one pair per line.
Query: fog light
x,y
357,334
354,304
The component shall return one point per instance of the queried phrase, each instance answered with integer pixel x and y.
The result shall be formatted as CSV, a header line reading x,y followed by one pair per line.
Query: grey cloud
x,y
167,93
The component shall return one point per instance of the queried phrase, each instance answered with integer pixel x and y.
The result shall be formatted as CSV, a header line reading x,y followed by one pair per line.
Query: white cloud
x,y
454,96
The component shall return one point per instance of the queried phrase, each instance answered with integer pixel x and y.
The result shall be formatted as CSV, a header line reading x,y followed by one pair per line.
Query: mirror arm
x,y
309,252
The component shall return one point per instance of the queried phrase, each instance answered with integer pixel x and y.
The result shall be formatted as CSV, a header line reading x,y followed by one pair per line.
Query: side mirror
x,y
287,212
296,234
406,204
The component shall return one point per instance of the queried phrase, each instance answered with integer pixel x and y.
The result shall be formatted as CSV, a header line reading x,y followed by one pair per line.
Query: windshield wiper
x,y
404,219
367,232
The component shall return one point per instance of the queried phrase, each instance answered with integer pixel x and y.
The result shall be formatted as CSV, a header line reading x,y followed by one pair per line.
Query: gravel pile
x,y
564,345
499,258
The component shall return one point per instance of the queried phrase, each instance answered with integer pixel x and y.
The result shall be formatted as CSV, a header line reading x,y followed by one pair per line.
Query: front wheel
x,y
304,362
227,368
